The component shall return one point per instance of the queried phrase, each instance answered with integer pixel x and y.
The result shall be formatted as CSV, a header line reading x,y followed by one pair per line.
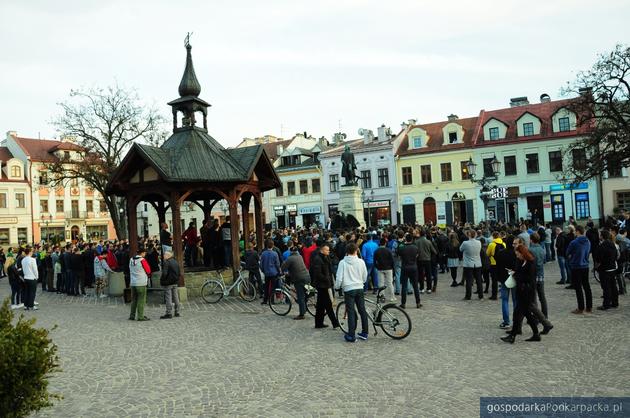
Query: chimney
x,y
519,101
383,133
280,149
584,91
544,98
411,122
452,117
338,138
11,134
367,135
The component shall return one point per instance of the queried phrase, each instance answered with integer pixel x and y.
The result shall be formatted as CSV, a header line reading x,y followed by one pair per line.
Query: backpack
x,y
498,248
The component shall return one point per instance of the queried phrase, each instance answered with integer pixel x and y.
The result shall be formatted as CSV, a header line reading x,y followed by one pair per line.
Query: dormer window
x,y
16,171
418,138
564,120
417,142
528,129
66,155
563,124
494,133
452,137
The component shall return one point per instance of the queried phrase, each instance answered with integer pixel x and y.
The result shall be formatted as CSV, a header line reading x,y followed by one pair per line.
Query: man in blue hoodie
x,y
270,266
367,253
577,254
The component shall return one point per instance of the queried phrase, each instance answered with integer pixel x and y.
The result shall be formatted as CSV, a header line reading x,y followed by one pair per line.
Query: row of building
x,y
422,173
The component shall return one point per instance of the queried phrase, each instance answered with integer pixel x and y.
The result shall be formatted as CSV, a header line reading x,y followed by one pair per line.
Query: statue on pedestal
x,y
348,167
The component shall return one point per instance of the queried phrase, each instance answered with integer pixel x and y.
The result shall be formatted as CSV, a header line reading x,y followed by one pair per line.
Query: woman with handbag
x,y
525,277
506,260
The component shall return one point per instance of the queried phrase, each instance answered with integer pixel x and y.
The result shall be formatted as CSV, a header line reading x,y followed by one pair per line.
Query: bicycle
x,y
214,290
280,300
392,319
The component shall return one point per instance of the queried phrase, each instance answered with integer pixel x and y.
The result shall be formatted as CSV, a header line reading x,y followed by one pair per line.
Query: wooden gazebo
x,y
191,166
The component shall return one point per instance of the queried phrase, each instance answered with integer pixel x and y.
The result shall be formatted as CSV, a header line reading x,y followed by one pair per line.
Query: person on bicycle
x,y
299,276
270,265
351,276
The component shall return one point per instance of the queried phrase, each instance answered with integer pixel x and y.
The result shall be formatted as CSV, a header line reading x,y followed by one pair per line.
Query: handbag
x,y
510,282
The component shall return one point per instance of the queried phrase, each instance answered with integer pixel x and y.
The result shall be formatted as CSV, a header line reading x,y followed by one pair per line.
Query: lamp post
x,y
485,182
367,199
46,220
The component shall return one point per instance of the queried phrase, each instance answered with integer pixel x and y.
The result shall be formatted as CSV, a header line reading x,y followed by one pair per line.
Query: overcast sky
x,y
300,65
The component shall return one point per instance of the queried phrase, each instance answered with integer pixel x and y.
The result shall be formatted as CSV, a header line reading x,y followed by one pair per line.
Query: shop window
x,y
582,207
509,165
334,182
555,161
532,163
406,176
315,185
4,236
383,177
22,235
445,170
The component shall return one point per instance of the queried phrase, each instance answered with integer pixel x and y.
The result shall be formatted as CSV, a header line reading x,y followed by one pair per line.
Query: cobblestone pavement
x,y
239,359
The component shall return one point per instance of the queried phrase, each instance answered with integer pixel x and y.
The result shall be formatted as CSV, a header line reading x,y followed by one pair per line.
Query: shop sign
x,y
561,187
291,208
440,210
277,208
309,210
533,189
513,191
379,204
499,193
8,220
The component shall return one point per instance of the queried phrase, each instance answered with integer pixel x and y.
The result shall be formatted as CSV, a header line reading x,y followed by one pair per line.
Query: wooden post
x,y
234,229
177,235
245,199
258,217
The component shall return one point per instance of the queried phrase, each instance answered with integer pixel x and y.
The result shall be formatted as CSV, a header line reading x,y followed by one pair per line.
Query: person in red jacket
x,y
190,240
307,251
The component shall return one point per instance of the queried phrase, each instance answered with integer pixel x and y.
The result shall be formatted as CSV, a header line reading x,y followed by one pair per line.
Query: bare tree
x,y
603,109
105,122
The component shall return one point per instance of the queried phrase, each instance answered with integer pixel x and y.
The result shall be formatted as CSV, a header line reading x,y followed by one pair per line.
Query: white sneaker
x,y
20,305
103,296
14,306
428,291
35,308
36,303
422,291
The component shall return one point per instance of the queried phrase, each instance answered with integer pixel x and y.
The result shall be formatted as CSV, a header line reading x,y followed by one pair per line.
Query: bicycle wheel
x,y
342,315
247,291
311,300
212,291
596,275
394,321
280,302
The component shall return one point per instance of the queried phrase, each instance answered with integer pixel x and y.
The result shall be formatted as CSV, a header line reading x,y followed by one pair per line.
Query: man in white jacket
x,y
351,276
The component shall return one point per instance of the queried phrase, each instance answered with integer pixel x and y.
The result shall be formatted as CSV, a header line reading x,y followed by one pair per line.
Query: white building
x,y
374,157
16,226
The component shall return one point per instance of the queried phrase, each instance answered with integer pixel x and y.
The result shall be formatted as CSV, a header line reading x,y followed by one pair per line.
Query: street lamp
x,y
367,199
486,181
46,220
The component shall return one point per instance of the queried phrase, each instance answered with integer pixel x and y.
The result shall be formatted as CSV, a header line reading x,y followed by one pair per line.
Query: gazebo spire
x,y
189,86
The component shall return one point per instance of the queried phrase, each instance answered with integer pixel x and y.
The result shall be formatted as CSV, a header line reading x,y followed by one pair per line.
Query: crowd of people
x,y
497,261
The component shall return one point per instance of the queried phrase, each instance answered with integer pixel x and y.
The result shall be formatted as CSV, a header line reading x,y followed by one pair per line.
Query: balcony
x,y
76,214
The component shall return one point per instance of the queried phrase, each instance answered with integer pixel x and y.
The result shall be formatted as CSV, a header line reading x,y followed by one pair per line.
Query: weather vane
x,y
187,39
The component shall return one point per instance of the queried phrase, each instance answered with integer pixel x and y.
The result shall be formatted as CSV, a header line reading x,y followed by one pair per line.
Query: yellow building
x,y
433,183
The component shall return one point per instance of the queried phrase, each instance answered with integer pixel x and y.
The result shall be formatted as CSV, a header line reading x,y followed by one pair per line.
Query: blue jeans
x,y
301,297
397,276
505,302
564,269
373,273
352,298
547,251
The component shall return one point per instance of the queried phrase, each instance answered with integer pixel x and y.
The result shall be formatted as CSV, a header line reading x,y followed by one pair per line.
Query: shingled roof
x,y
436,137
42,150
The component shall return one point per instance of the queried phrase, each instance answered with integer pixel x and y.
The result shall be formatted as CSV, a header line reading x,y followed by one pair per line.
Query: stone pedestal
x,y
350,202
116,284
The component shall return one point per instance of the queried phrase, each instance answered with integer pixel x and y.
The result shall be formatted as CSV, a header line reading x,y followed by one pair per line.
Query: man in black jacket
x,y
384,263
408,254
322,279
169,280
605,257
78,272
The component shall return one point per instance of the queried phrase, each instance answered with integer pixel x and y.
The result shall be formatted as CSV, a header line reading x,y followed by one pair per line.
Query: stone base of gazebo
x,y
195,279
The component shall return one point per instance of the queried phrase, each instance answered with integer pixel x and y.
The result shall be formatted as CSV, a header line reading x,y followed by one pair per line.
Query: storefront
x,y
96,232
378,213
291,213
503,204
280,217
408,210
310,215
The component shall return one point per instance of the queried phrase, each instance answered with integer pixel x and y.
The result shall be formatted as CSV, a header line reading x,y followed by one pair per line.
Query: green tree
x,y
104,122
27,359
602,107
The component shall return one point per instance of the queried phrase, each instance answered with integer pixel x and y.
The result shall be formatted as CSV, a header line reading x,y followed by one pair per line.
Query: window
x,y
623,200
66,155
452,137
4,236
291,188
89,206
3,200
19,201
383,177
74,182
614,170
509,165
103,207
43,177
406,176
582,209
445,170
366,179
494,133
463,166
579,158
425,173
291,160
532,163
16,171
315,185
563,124
334,182
487,167
22,235
417,142
303,186
280,191
59,206
555,161
43,206
528,129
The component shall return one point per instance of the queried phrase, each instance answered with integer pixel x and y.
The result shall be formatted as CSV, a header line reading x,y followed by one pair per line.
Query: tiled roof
x,y
41,150
271,148
357,146
5,154
436,140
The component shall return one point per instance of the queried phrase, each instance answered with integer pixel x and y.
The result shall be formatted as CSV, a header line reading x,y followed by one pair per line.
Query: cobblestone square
x,y
239,359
